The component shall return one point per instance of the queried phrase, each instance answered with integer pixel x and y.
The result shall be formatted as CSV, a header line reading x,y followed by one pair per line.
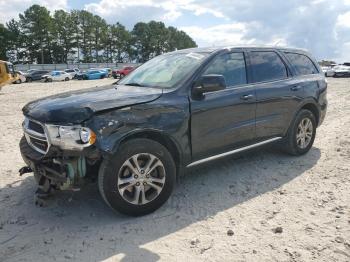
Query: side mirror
x,y
209,83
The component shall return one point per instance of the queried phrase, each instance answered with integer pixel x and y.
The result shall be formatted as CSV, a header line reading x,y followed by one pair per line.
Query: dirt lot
x,y
226,211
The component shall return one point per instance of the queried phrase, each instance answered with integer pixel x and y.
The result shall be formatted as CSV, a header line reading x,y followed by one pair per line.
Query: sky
x,y
321,26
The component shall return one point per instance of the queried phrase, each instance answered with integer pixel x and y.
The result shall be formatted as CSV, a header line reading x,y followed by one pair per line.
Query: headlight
x,y
71,137
87,136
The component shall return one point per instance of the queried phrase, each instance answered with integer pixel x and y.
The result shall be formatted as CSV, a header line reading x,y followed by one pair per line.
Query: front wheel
x,y
139,178
66,79
301,134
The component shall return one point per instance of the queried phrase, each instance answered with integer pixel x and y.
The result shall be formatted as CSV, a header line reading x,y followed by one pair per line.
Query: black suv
x,y
35,75
176,111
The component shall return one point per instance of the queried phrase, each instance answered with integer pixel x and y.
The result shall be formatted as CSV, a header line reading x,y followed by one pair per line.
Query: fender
x,y
306,102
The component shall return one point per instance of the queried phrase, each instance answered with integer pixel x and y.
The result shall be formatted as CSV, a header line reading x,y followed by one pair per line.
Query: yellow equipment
x,y
7,73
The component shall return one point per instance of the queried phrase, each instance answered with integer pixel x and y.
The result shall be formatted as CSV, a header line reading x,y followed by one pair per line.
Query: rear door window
x,y
267,66
302,64
231,66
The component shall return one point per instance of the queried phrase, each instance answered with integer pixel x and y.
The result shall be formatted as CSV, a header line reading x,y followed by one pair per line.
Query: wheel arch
x,y
162,138
311,106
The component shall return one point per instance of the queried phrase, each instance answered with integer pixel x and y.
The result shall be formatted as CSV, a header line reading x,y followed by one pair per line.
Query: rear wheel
x,y
301,134
66,79
139,178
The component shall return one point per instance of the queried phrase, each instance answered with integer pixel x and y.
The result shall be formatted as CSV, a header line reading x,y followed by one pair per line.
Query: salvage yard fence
x,y
81,66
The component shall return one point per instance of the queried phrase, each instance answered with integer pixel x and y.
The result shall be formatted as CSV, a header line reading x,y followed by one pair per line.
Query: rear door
x,y
278,94
307,73
224,120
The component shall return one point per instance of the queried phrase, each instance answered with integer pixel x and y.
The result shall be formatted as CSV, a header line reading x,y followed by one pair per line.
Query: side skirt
x,y
201,161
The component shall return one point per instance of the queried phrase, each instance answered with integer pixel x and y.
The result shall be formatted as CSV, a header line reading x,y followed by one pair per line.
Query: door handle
x,y
247,97
295,88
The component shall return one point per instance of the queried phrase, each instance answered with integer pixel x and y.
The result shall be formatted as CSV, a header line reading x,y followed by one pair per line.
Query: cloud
x,y
314,25
167,10
11,9
227,34
322,26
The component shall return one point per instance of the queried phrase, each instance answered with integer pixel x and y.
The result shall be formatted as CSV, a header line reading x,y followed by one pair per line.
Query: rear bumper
x,y
323,111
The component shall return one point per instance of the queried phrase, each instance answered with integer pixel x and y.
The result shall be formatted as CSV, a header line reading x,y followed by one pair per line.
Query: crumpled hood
x,y
77,106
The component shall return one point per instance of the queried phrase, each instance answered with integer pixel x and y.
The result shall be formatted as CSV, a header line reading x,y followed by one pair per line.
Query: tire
x,y
101,77
112,171
293,146
122,76
29,79
66,79
49,80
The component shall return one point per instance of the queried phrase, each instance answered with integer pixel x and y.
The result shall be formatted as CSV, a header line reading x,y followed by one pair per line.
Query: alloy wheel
x,y
141,178
304,133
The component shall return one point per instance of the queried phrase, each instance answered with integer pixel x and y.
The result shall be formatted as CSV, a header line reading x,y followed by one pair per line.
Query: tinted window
x,y
303,65
231,66
267,66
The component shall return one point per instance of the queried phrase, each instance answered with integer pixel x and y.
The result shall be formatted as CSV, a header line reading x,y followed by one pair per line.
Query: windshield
x,y
164,71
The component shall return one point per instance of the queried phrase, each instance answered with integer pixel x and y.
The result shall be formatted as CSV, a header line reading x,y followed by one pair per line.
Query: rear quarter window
x,y
267,66
302,64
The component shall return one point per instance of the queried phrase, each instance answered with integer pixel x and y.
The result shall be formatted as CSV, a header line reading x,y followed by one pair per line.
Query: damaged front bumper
x,y
61,170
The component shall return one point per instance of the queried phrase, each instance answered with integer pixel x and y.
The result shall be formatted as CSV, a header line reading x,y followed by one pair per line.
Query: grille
x,y
39,144
34,133
36,127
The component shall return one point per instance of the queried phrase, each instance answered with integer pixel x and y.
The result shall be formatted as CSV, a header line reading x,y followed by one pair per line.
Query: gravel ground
x,y
261,206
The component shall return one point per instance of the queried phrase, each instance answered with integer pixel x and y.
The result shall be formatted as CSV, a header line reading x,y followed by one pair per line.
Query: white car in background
x,y
21,77
56,76
341,71
73,72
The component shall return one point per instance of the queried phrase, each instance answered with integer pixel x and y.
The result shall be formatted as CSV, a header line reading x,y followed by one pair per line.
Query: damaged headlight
x,y
70,137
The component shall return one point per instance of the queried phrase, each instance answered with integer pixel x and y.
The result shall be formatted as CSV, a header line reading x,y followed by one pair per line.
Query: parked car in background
x,y
341,71
92,74
176,111
120,73
107,70
35,75
56,76
325,69
73,72
20,77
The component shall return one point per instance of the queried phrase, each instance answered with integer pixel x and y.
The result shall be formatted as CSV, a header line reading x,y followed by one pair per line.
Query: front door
x,y
224,120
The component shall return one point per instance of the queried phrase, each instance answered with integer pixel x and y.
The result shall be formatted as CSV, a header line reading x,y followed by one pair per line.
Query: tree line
x,y
80,36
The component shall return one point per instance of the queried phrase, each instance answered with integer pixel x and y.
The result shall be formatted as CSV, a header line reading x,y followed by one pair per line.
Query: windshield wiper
x,y
133,84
